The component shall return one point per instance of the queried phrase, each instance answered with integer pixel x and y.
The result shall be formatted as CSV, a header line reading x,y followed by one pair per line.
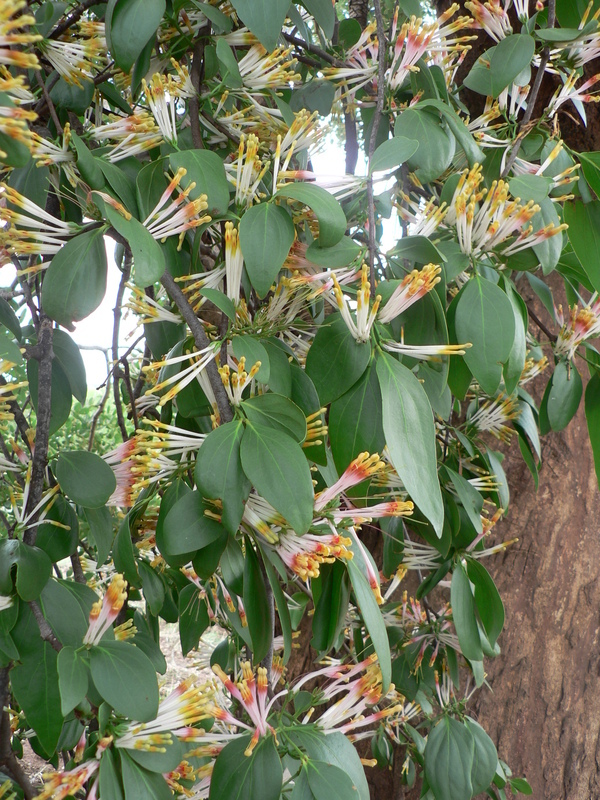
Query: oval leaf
x,y
85,478
126,679
392,153
332,220
266,235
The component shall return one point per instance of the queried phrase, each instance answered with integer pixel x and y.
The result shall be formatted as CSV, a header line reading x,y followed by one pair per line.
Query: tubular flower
x,y
261,70
59,785
363,467
251,694
30,230
391,508
148,309
121,461
428,632
305,554
9,36
162,107
236,382
171,220
134,135
200,281
185,706
422,220
13,123
247,171
486,218
494,415
80,56
491,17
365,316
568,92
361,62
104,612
532,369
582,325
587,46
414,286
234,262
198,362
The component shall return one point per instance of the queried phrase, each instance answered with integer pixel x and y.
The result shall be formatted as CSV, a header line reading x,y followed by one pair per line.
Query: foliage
x,y
297,381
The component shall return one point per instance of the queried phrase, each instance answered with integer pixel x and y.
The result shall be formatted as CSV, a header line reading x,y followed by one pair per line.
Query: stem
x,y
202,341
115,344
533,95
382,44
45,355
8,758
72,18
45,629
196,79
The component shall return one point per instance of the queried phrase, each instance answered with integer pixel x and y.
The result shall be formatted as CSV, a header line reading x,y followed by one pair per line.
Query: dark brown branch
x,y
74,17
77,570
311,48
8,759
127,377
202,341
22,423
40,81
42,428
382,45
115,343
551,336
196,73
531,100
45,630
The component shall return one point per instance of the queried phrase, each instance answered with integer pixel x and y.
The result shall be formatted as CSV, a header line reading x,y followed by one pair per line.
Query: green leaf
x,y
72,679
9,319
252,350
336,360
592,416
500,65
530,187
130,25
126,679
277,412
85,477
419,249
34,683
256,604
148,256
193,618
485,757
470,498
392,153
485,318
75,281
220,20
520,785
58,541
220,300
239,777
121,183
69,357
463,614
463,135
410,436
516,360
67,613
324,14
331,606
162,762
109,780
61,398
563,395
449,760
266,235
333,748
140,784
281,605
355,421
373,620
340,255
150,184
332,220
123,554
87,165
206,170
265,19
276,466
101,531
152,587
583,220
229,66
33,567
328,782
549,250
436,146
186,527
487,600
219,475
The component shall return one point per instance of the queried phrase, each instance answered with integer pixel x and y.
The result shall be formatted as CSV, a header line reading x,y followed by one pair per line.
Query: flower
x,y
8,36
568,92
414,286
247,171
236,382
162,106
169,220
60,785
198,361
134,134
582,325
491,17
494,414
305,554
364,466
105,611
79,56
13,123
148,308
361,62
261,70
365,316
234,262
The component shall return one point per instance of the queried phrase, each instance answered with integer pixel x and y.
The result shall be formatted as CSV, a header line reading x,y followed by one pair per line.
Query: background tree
x,y
310,417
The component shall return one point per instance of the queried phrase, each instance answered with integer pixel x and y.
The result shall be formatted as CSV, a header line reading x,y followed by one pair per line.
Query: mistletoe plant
x,y
294,387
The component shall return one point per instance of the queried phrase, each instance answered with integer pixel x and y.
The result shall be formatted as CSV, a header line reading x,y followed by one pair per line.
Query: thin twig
x,y
45,354
19,417
40,81
8,758
382,48
77,569
101,405
311,48
551,336
115,343
72,18
535,89
196,73
202,342
127,377
45,629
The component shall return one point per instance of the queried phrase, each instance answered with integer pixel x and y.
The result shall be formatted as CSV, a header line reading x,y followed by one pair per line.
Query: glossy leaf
x,y
331,608
277,412
328,782
583,220
373,620
206,170
410,436
485,318
500,65
436,145
130,24
239,777
392,153
186,527
485,757
72,679
35,686
449,760
148,256
563,395
335,360
193,618
333,748
69,356
85,477
340,255
265,19
276,466
256,604
592,416
141,784
75,281
487,600
332,220
126,679
219,473
266,235
463,614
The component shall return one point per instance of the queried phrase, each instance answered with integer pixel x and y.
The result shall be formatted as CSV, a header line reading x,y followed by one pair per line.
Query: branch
x,y
42,428
382,46
72,18
8,758
311,48
531,100
202,341
45,629
15,410
551,336
196,79
115,343
40,81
